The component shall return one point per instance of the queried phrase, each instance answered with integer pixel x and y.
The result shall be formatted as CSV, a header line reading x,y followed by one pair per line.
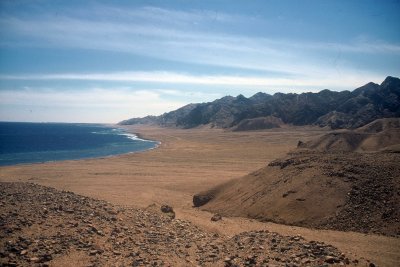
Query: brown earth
x,y
189,161
346,191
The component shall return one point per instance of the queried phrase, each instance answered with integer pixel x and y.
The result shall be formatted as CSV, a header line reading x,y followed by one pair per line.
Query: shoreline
x,y
135,137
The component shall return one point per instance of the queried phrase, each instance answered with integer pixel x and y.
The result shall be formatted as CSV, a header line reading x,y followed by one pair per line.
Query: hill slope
x,y
324,184
327,108
350,192
379,135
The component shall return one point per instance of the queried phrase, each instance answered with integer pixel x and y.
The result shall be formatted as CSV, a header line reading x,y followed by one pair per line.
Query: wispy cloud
x,y
349,80
174,35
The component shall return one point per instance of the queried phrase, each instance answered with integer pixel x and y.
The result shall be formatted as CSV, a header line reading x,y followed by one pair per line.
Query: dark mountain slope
x,y
326,108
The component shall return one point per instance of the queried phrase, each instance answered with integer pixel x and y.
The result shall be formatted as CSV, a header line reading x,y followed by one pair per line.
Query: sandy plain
x,y
187,162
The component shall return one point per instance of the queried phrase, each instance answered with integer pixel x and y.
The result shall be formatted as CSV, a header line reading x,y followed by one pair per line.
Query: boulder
x,y
201,199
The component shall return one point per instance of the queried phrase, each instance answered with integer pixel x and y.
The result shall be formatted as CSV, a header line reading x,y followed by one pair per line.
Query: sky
x,y
106,61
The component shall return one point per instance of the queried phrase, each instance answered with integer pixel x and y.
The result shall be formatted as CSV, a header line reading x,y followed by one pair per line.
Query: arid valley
x,y
185,163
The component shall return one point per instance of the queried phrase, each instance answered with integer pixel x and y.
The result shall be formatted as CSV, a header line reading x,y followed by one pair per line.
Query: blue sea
x,y
42,142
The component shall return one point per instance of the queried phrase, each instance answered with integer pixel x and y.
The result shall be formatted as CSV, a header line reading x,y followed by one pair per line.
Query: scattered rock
x,y
137,238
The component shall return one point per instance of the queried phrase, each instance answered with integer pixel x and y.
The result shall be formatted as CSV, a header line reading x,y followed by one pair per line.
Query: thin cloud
x,y
331,81
176,39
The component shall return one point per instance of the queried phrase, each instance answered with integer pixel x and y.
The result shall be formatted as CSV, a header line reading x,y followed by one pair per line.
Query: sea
x,y
22,142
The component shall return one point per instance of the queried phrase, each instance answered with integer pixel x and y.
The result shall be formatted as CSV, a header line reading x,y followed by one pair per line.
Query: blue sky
x,y
105,61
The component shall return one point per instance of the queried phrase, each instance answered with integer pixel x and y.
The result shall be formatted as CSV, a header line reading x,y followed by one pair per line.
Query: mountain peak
x,y
367,88
391,81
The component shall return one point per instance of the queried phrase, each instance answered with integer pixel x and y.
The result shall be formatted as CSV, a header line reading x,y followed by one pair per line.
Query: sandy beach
x,y
189,161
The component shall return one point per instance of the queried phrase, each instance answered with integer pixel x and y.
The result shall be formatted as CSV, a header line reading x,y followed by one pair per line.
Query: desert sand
x,y
189,161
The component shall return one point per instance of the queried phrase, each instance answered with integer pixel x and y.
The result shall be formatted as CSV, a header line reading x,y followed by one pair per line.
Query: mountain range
x,y
345,109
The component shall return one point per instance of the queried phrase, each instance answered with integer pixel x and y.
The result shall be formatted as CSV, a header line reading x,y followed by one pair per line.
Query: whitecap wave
x,y
130,136
134,137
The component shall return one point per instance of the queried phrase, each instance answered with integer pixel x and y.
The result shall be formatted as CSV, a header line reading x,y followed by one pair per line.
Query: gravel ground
x,y
40,226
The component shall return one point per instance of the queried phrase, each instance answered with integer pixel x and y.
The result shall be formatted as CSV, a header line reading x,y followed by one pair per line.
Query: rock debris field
x,y
40,226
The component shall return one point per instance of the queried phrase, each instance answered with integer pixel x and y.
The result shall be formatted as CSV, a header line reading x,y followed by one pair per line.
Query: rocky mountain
x,y
326,108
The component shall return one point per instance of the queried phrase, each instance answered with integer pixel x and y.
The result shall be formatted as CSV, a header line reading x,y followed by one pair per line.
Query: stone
x,y
216,217
167,209
35,259
200,200
331,260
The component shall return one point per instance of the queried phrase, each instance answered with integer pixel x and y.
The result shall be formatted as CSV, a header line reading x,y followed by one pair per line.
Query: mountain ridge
x,y
344,109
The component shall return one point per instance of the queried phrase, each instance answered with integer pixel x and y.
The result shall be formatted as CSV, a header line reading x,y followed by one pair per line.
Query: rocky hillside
x,y
327,108
331,190
347,180
40,226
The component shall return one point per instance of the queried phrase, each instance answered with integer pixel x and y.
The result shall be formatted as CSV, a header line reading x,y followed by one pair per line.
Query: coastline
x,y
186,162
84,153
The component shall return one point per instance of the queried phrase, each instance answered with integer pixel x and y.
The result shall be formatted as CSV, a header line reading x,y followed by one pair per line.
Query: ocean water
x,y
42,142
